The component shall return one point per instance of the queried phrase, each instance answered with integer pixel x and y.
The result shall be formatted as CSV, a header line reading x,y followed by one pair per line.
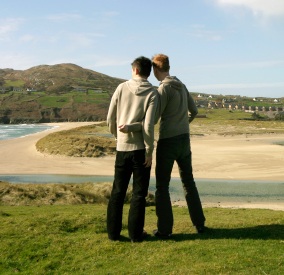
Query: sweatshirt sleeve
x,y
134,127
158,108
163,99
149,123
191,106
111,116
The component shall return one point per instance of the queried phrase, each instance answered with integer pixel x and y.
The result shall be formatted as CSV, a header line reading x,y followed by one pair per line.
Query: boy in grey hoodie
x,y
133,102
173,145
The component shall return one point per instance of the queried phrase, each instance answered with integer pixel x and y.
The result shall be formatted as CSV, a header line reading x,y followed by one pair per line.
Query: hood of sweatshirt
x,y
173,81
138,86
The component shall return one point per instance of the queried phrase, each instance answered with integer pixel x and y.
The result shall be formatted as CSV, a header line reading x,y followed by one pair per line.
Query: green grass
x,y
72,239
237,122
91,97
54,101
59,101
16,83
60,194
89,141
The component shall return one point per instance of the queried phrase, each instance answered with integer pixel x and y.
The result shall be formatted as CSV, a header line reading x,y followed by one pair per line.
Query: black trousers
x,y
168,151
127,164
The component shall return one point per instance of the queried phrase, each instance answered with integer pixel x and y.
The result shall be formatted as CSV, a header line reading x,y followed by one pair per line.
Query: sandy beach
x,y
214,157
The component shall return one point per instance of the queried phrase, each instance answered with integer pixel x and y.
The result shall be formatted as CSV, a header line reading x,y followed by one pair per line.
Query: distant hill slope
x,y
68,92
52,93
58,78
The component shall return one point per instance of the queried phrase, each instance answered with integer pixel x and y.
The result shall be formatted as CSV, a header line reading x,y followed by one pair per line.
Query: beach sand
x,y
240,157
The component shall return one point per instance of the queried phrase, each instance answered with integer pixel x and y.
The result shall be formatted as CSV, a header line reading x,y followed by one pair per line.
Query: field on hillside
x,y
72,239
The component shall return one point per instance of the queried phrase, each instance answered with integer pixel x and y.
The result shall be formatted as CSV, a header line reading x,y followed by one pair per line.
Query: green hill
x,y
63,92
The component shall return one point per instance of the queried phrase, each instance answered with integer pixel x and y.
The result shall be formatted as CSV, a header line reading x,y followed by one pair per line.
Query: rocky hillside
x,y
63,92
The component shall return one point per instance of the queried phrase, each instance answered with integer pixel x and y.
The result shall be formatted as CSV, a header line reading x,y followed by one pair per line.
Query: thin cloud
x,y
199,31
61,17
8,26
257,64
84,39
239,86
109,61
27,38
266,8
18,61
111,13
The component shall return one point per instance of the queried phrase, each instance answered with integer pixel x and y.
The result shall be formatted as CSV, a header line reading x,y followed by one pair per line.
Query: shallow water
x,y
211,191
10,131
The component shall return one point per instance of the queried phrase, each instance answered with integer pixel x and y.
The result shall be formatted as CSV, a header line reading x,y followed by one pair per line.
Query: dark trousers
x,y
126,164
168,151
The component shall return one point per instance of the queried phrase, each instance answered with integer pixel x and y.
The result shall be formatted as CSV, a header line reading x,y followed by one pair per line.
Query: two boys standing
x,y
135,108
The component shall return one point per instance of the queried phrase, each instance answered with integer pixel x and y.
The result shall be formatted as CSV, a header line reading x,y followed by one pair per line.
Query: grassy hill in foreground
x,y
72,239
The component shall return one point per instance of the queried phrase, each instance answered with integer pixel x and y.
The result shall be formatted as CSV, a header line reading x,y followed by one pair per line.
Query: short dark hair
x,y
143,64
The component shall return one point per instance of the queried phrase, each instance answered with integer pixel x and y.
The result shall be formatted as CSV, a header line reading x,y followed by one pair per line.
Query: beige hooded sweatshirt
x,y
133,101
175,105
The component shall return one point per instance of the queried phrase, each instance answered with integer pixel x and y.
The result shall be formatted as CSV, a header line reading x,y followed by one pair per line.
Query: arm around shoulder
x,y
192,108
111,116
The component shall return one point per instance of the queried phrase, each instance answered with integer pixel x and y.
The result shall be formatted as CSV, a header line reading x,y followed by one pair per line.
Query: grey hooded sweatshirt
x,y
133,101
175,105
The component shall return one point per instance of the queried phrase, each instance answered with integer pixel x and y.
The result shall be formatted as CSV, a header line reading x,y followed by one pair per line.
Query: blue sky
x,y
230,47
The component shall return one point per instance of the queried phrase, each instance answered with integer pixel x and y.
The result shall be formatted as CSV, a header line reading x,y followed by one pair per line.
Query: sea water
x,y
212,191
10,131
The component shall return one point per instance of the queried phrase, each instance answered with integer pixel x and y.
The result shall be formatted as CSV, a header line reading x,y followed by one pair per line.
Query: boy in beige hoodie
x,y
134,101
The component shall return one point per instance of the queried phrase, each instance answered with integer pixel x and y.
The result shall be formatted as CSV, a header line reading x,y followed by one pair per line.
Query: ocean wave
x,y
21,130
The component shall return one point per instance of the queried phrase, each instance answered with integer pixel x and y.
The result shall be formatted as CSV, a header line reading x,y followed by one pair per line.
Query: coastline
x,y
214,157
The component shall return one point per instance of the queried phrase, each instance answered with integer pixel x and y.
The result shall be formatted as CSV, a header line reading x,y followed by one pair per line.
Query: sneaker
x,y
113,238
141,238
201,229
158,234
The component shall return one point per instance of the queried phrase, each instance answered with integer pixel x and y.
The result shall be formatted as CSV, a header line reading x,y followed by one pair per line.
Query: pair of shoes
x,y
141,238
160,235
113,238
201,229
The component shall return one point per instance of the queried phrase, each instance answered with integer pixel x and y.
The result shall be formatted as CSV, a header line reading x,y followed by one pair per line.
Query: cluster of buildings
x,y
233,104
4,90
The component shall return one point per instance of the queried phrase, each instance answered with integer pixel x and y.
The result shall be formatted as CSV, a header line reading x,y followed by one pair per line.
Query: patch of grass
x,y
59,194
88,141
224,114
91,97
225,122
72,239
54,101
15,83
